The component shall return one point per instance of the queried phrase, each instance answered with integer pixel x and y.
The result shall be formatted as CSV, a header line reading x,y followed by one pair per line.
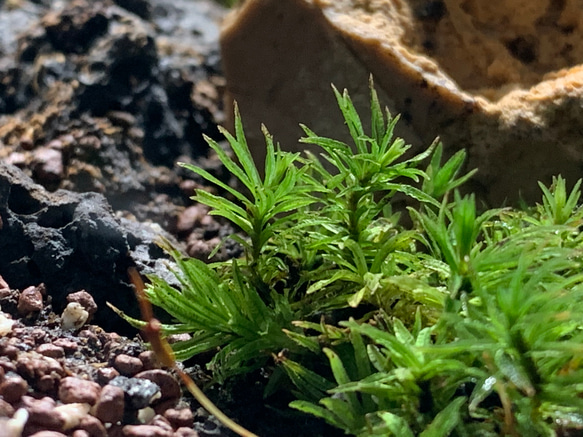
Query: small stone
x,y
148,359
161,422
30,301
128,365
145,415
74,316
3,284
7,353
121,118
179,418
51,350
39,335
72,414
74,389
48,164
189,218
91,338
169,387
32,365
185,432
92,426
86,301
106,374
48,384
17,159
48,434
13,388
6,324
139,392
6,410
42,413
145,431
13,427
109,408
197,248
67,345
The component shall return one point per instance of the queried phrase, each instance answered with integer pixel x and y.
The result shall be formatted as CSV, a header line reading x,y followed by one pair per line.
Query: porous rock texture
x,y
98,100
501,79
72,241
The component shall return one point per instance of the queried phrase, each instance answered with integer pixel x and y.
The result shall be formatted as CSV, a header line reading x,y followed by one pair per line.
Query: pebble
x,y
3,284
48,164
179,418
32,365
169,387
148,359
185,432
6,410
30,301
13,388
109,408
74,316
12,427
6,324
145,431
92,427
128,365
72,414
51,350
139,393
66,344
85,300
80,390
189,218
161,422
48,384
48,434
106,374
42,413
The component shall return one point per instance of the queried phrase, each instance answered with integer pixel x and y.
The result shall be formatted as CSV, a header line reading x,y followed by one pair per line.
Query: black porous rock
x,y
139,392
70,242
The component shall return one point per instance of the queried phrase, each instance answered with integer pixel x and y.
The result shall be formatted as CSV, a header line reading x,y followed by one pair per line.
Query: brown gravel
x,y
84,382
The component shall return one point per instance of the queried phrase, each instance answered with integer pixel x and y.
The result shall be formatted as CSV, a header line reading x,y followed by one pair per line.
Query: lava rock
x,y
169,388
139,392
71,241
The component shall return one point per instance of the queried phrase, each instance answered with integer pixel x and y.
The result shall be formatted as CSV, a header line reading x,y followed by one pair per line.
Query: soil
x,y
98,102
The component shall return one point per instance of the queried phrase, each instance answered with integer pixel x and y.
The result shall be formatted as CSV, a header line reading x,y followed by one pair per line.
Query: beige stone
x,y
499,78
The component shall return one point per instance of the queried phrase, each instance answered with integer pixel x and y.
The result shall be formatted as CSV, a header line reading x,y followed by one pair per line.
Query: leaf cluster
x,y
466,322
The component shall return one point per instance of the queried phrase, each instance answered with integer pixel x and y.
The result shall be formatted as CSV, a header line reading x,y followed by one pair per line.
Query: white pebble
x,y
74,316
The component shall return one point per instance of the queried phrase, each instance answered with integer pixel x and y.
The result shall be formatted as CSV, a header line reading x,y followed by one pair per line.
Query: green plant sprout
x,y
462,323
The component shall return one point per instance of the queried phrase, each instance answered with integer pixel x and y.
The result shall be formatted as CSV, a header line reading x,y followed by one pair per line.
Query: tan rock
x,y
499,78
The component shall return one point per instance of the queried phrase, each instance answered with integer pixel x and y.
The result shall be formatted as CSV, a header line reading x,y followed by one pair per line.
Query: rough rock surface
x,y
97,102
70,241
502,79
